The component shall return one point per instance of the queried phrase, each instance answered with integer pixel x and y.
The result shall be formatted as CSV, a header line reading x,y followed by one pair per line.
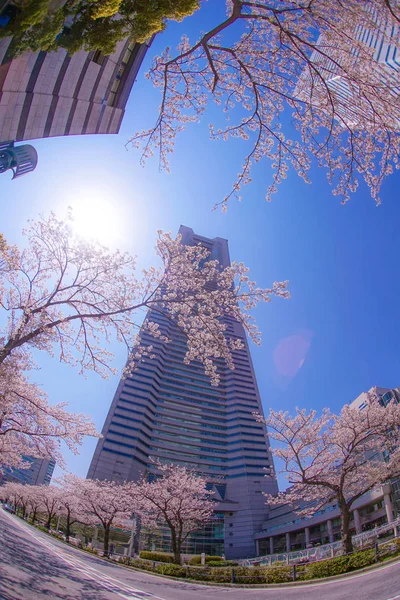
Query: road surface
x,y
34,566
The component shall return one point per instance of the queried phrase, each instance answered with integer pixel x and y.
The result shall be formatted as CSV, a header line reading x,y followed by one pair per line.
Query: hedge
x,y
222,563
338,565
196,560
157,556
171,570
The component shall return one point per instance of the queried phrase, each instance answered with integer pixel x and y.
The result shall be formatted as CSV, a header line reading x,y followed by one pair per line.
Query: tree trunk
x,y
345,528
34,517
67,527
176,548
106,539
48,522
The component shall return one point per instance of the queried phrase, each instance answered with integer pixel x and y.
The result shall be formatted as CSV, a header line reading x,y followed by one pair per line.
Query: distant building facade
x,y
53,94
169,411
40,472
384,43
286,531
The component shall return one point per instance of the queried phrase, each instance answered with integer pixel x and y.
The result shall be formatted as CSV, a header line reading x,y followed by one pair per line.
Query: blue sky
x,y
339,333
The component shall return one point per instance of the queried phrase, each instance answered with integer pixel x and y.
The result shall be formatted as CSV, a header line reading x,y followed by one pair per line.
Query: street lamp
x,y
20,159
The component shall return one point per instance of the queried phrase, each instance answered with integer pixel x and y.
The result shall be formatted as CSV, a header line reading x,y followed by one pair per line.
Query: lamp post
x,y
19,159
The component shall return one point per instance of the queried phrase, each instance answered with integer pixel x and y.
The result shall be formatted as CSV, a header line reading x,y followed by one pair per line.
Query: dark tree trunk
x,y
176,547
345,528
48,522
106,539
34,516
68,526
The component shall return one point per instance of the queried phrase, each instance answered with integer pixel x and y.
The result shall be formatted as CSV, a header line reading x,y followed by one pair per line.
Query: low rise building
x,y
286,531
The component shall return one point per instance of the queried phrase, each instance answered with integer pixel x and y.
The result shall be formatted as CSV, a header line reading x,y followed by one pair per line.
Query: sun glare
x,y
96,218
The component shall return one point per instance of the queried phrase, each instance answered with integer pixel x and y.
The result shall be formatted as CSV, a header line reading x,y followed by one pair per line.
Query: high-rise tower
x,y
168,410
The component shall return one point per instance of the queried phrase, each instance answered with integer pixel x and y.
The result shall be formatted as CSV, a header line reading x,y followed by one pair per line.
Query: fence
x,y
278,573
322,552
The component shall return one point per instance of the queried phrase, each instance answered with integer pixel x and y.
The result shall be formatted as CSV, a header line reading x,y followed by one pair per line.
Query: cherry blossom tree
x,y
50,497
29,425
17,494
335,458
179,499
103,502
303,62
71,507
34,501
69,297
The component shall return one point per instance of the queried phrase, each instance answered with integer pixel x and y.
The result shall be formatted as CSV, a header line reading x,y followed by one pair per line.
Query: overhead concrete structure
x,y
46,94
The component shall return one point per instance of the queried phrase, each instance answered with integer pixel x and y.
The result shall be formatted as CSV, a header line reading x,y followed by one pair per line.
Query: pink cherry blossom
x,y
69,297
105,503
179,499
335,458
29,425
265,64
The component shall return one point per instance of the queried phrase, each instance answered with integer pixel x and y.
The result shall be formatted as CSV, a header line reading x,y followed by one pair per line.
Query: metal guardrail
x,y
321,552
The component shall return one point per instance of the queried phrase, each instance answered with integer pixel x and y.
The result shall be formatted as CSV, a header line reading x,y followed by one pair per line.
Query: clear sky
x,y
337,336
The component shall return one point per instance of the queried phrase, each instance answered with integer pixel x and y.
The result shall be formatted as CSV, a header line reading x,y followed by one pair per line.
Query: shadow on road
x,y
28,571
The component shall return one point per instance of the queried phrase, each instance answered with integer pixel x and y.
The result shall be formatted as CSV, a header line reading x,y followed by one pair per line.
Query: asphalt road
x,y
34,566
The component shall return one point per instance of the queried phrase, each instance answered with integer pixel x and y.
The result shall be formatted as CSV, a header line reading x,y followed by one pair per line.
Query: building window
x,y
7,14
125,60
98,57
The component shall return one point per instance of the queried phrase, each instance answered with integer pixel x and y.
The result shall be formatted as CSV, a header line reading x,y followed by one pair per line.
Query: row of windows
x,y
187,454
174,436
179,420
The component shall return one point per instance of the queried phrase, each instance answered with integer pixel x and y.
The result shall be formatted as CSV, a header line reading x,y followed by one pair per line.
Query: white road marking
x,y
106,581
144,595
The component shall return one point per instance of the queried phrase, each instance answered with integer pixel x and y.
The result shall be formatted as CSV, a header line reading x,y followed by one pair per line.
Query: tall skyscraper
x,y
382,41
46,94
40,472
169,411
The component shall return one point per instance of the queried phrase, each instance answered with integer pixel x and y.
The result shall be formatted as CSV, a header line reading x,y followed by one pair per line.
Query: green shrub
x,y
41,528
157,556
171,570
359,560
201,574
219,575
196,560
249,574
91,550
326,568
338,565
141,564
277,574
222,563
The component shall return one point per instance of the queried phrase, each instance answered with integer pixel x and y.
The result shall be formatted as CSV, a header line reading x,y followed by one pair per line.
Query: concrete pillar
x,y
330,531
288,542
307,534
388,508
257,547
357,522
271,545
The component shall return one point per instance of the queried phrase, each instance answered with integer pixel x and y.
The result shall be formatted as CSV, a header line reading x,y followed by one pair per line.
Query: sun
x,y
96,217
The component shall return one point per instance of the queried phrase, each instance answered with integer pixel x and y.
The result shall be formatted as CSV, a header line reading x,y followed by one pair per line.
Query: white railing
x,y
322,552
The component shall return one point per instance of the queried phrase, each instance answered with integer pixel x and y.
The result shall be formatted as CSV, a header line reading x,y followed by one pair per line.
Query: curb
x,y
260,586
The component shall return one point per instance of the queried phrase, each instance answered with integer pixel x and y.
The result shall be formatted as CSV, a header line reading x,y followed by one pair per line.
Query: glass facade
x,y
168,411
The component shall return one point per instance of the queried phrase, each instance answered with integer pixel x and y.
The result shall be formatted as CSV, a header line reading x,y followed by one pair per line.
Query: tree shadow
x,y
28,571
